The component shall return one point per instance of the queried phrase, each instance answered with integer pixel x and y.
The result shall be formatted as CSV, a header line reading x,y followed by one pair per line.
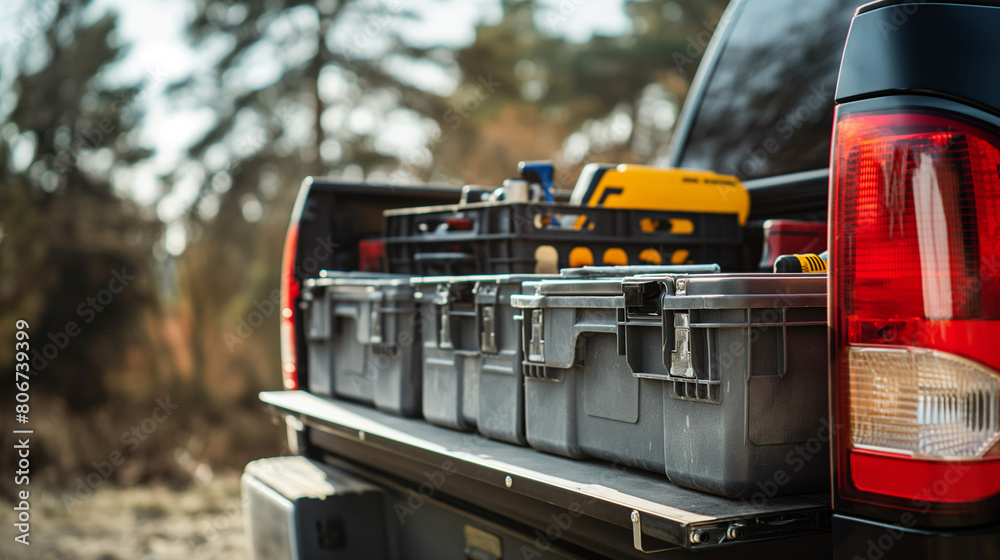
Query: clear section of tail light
x,y
922,403
915,308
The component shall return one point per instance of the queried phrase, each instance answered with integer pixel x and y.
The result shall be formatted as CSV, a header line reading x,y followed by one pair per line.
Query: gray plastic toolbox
x,y
363,339
472,376
581,399
742,359
472,353
718,381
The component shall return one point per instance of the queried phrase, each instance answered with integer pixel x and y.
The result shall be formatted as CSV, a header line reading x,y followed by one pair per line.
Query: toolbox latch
x,y
486,304
680,358
375,324
444,333
488,330
442,300
536,348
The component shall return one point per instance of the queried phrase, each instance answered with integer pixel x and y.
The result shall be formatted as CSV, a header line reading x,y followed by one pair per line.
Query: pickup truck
x,y
894,141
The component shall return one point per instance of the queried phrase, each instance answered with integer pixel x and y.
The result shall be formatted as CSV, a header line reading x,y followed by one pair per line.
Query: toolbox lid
x,y
729,291
632,270
440,290
361,286
482,278
596,293
354,278
578,287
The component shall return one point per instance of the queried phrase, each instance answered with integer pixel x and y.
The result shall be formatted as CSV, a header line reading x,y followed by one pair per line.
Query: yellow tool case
x,y
655,188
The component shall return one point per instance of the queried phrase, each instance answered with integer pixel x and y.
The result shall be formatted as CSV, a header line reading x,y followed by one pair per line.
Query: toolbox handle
x,y
319,318
346,309
449,330
644,310
367,318
630,345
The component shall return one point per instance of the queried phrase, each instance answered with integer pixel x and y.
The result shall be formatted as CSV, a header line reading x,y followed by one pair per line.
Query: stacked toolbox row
x,y
717,381
472,354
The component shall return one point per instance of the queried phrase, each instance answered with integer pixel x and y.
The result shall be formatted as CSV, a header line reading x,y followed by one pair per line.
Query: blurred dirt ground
x,y
204,520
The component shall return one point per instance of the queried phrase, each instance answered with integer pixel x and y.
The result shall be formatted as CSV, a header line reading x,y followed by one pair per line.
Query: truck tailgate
x,y
533,487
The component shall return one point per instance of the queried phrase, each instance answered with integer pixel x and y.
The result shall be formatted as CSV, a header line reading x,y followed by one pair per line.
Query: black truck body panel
x,y
943,50
858,538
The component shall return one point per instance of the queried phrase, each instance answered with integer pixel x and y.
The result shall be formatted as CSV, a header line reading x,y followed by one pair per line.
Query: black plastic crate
x,y
525,238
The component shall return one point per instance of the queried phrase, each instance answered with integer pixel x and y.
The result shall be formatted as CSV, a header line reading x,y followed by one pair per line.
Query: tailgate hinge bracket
x,y
637,535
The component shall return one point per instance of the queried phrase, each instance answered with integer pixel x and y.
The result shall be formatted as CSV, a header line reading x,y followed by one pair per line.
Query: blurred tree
x,y
325,61
608,99
331,87
68,241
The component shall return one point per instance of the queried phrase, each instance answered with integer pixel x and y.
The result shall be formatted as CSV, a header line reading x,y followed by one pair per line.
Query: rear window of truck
x,y
767,107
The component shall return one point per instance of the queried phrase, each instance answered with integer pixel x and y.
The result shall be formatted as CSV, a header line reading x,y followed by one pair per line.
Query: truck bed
x,y
614,510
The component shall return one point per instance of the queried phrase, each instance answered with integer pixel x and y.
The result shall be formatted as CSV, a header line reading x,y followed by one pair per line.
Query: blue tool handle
x,y
541,172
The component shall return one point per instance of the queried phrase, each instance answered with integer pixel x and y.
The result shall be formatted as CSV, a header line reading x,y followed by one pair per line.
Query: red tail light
x,y
289,293
915,308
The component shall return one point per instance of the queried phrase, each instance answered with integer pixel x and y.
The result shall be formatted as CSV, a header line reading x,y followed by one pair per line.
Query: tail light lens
x,y
915,308
289,294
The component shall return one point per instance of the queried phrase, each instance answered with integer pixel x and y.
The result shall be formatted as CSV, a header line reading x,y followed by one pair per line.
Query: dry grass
x,y
128,446
98,492
148,522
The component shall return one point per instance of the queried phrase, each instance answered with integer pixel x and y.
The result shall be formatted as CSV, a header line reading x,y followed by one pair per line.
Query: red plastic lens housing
x,y
289,293
915,308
